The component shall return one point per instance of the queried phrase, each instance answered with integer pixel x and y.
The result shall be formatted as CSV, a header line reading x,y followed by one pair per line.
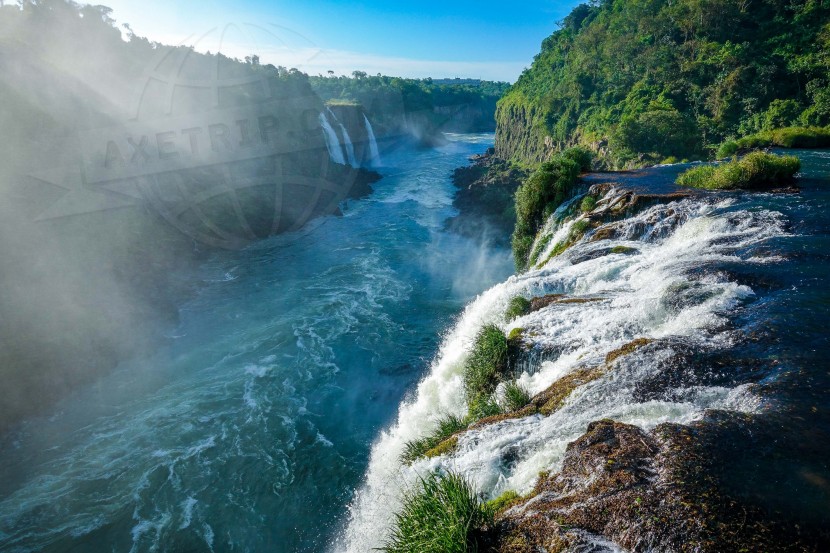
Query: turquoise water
x,y
252,430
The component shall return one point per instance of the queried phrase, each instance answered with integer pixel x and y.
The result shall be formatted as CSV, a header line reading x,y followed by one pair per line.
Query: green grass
x,y
517,307
443,515
588,204
515,397
787,137
539,196
486,363
447,426
502,502
756,170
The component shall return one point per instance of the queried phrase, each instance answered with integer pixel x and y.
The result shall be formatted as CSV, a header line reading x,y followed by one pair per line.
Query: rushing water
x,y
252,430
730,288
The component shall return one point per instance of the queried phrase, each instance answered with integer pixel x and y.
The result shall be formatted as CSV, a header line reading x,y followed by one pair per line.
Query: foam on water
x,y
657,292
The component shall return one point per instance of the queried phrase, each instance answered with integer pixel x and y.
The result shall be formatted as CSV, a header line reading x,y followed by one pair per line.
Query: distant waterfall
x,y
332,142
349,146
373,144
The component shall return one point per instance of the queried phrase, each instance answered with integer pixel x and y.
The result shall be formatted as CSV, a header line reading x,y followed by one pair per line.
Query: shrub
x,y
756,170
781,113
581,156
447,426
665,132
443,515
515,397
517,307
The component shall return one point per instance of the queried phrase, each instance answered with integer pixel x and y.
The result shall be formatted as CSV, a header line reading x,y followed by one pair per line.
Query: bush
x,y
581,156
518,306
665,132
442,516
447,426
781,113
485,365
756,170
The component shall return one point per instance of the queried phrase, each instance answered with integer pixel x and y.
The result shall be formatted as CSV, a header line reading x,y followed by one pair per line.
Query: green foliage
x,y
787,137
484,367
518,306
659,132
588,204
443,515
550,185
661,78
756,170
515,397
384,97
581,156
447,426
502,502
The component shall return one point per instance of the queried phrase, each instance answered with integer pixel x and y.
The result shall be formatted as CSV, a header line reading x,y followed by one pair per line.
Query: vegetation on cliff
x,y
643,80
756,170
448,104
539,196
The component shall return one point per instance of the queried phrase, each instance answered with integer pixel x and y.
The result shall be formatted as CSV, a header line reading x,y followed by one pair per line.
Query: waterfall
x,y
332,142
648,292
373,144
349,146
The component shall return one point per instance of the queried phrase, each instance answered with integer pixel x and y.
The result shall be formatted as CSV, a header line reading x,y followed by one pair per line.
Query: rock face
x,y
658,491
485,198
519,133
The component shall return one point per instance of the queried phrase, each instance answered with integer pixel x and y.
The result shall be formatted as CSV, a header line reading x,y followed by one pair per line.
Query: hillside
x,y
640,81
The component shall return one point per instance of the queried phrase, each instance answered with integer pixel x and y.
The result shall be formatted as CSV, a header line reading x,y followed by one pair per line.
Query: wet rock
x,y
652,491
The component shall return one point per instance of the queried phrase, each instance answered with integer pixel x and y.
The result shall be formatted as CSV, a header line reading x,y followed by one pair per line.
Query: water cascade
x,y
373,144
347,140
332,142
654,281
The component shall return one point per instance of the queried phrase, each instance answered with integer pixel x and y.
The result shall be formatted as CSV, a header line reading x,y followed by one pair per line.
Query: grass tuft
x,y
588,204
756,170
515,397
517,307
485,365
504,501
787,137
447,426
443,515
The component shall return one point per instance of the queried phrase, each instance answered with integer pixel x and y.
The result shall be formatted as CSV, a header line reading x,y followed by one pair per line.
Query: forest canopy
x,y
658,78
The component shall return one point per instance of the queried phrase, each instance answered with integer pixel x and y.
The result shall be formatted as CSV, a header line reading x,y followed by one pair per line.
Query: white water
x,y
647,294
373,144
332,142
347,142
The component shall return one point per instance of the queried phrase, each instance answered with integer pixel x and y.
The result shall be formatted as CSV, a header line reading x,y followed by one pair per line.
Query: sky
x,y
427,38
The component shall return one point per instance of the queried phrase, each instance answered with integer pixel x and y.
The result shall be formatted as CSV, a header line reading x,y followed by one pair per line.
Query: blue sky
x,y
483,39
